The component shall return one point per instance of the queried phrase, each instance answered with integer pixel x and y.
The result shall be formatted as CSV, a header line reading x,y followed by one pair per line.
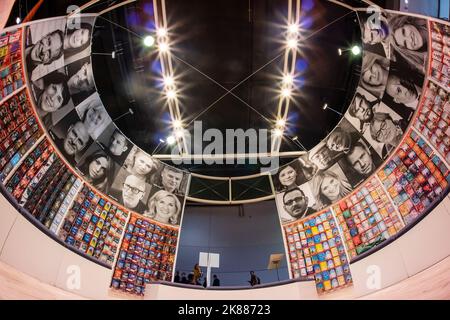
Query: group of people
x,y
195,278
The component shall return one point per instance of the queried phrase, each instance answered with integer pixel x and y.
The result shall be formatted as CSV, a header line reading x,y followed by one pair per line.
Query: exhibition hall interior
x,y
224,149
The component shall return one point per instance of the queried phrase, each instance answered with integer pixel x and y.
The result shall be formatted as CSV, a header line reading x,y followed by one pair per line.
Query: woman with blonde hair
x,y
374,75
328,188
164,207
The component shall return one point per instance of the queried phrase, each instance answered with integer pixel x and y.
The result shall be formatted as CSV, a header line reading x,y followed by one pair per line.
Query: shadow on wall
x,y
244,236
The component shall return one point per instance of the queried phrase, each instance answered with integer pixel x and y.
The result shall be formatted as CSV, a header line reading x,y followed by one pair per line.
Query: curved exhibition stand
x,y
364,209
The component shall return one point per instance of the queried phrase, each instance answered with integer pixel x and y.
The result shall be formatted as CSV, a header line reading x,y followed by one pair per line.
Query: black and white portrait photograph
x,y
295,203
77,38
288,176
165,207
401,37
71,137
323,157
360,162
329,186
138,162
130,190
93,115
80,80
44,47
52,97
171,179
115,143
374,74
98,168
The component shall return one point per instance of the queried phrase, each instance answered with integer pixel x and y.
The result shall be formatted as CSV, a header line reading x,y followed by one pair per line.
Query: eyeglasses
x,y
293,201
132,189
383,127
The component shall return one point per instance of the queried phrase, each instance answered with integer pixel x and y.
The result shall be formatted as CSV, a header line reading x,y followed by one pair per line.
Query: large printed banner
x,y
58,65
390,88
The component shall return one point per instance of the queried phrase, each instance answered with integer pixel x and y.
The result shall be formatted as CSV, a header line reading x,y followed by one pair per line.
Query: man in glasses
x,y
385,130
295,203
133,192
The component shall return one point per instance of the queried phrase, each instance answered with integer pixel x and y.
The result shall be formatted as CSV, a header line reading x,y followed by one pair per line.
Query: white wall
x,y
27,249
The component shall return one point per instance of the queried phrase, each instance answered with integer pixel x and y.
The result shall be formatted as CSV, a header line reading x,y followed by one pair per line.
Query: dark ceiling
x,y
227,40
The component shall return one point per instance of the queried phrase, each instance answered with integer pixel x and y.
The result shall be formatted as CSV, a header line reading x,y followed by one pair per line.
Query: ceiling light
x,y
161,32
288,79
340,51
176,124
292,43
295,138
163,47
281,122
325,106
356,50
149,41
18,20
179,133
171,94
277,132
170,140
293,28
168,81
286,92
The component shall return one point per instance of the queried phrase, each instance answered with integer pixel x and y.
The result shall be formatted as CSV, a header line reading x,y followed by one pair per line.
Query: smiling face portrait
x,y
143,164
360,159
164,207
384,130
401,90
48,49
77,38
55,93
118,143
375,33
287,176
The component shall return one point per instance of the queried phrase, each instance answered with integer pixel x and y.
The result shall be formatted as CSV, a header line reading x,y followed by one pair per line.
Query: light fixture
x,y
325,106
281,123
161,32
286,92
340,51
170,140
168,81
293,28
295,138
292,43
288,79
18,20
176,124
179,133
277,132
171,94
149,41
163,47
356,50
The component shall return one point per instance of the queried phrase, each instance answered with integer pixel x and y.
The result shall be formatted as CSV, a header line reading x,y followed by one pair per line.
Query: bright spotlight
x,y
170,140
161,32
340,51
171,94
288,79
356,50
163,47
168,81
149,41
179,133
293,28
176,124
281,123
18,20
277,132
325,106
286,92
292,43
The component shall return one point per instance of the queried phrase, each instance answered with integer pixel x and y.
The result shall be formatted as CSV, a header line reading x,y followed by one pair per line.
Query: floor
x,y
432,283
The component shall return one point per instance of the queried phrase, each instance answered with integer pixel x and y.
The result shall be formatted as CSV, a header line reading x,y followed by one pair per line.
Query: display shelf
x,y
440,54
433,120
11,70
414,177
147,254
12,94
94,226
367,218
316,251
